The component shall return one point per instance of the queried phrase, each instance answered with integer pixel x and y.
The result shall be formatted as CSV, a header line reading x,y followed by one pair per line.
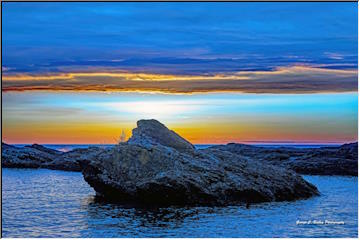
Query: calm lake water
x,y
47,203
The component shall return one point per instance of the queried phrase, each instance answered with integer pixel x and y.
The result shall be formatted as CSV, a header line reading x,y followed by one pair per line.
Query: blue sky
x,y
178,37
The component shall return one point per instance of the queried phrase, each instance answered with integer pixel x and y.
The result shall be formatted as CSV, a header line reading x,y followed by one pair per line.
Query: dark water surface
x,y
47,203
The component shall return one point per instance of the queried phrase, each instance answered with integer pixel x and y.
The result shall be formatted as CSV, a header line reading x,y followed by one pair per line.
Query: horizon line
x,y
242,142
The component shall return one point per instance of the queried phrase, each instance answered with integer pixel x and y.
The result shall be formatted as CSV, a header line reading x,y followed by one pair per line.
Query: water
x,y
47,203
69,147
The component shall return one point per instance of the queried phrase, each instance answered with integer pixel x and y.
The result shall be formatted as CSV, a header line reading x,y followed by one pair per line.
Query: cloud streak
x,y
293,79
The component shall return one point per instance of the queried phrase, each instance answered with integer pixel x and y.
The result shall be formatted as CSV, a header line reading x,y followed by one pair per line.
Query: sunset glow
x,y
71,117
239,73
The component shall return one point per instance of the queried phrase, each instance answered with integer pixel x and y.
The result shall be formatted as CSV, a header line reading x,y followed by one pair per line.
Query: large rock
x,y
341,160
157,166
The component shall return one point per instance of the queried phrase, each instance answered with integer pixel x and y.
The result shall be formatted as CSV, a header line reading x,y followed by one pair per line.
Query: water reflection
x,y
159,217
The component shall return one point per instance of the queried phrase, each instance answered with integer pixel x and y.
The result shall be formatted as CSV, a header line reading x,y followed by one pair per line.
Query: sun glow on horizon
x,y
99,118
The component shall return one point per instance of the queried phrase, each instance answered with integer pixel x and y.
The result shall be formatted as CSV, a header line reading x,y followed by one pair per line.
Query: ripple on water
x,y
47,203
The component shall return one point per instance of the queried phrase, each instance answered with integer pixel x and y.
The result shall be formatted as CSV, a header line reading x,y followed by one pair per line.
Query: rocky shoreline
x,y
38,156
342,161
157,166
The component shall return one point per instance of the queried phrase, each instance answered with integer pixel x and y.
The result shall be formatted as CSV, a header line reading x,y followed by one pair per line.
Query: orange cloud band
x,y
295,79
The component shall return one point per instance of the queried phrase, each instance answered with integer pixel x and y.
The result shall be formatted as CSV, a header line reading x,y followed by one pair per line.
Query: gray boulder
x,y
156,166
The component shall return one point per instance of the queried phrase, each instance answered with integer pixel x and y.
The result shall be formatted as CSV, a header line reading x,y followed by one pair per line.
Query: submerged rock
x,y
157,166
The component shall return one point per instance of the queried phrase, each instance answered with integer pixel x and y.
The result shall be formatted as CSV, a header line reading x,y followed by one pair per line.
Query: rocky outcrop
x,y
37,156
43,149
151,133
341,160
157,166
25,157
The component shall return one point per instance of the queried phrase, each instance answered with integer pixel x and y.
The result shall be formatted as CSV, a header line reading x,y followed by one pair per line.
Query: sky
x,y
213,72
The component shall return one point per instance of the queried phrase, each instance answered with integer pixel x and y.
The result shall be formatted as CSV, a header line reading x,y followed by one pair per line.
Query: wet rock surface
x,y
150,170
